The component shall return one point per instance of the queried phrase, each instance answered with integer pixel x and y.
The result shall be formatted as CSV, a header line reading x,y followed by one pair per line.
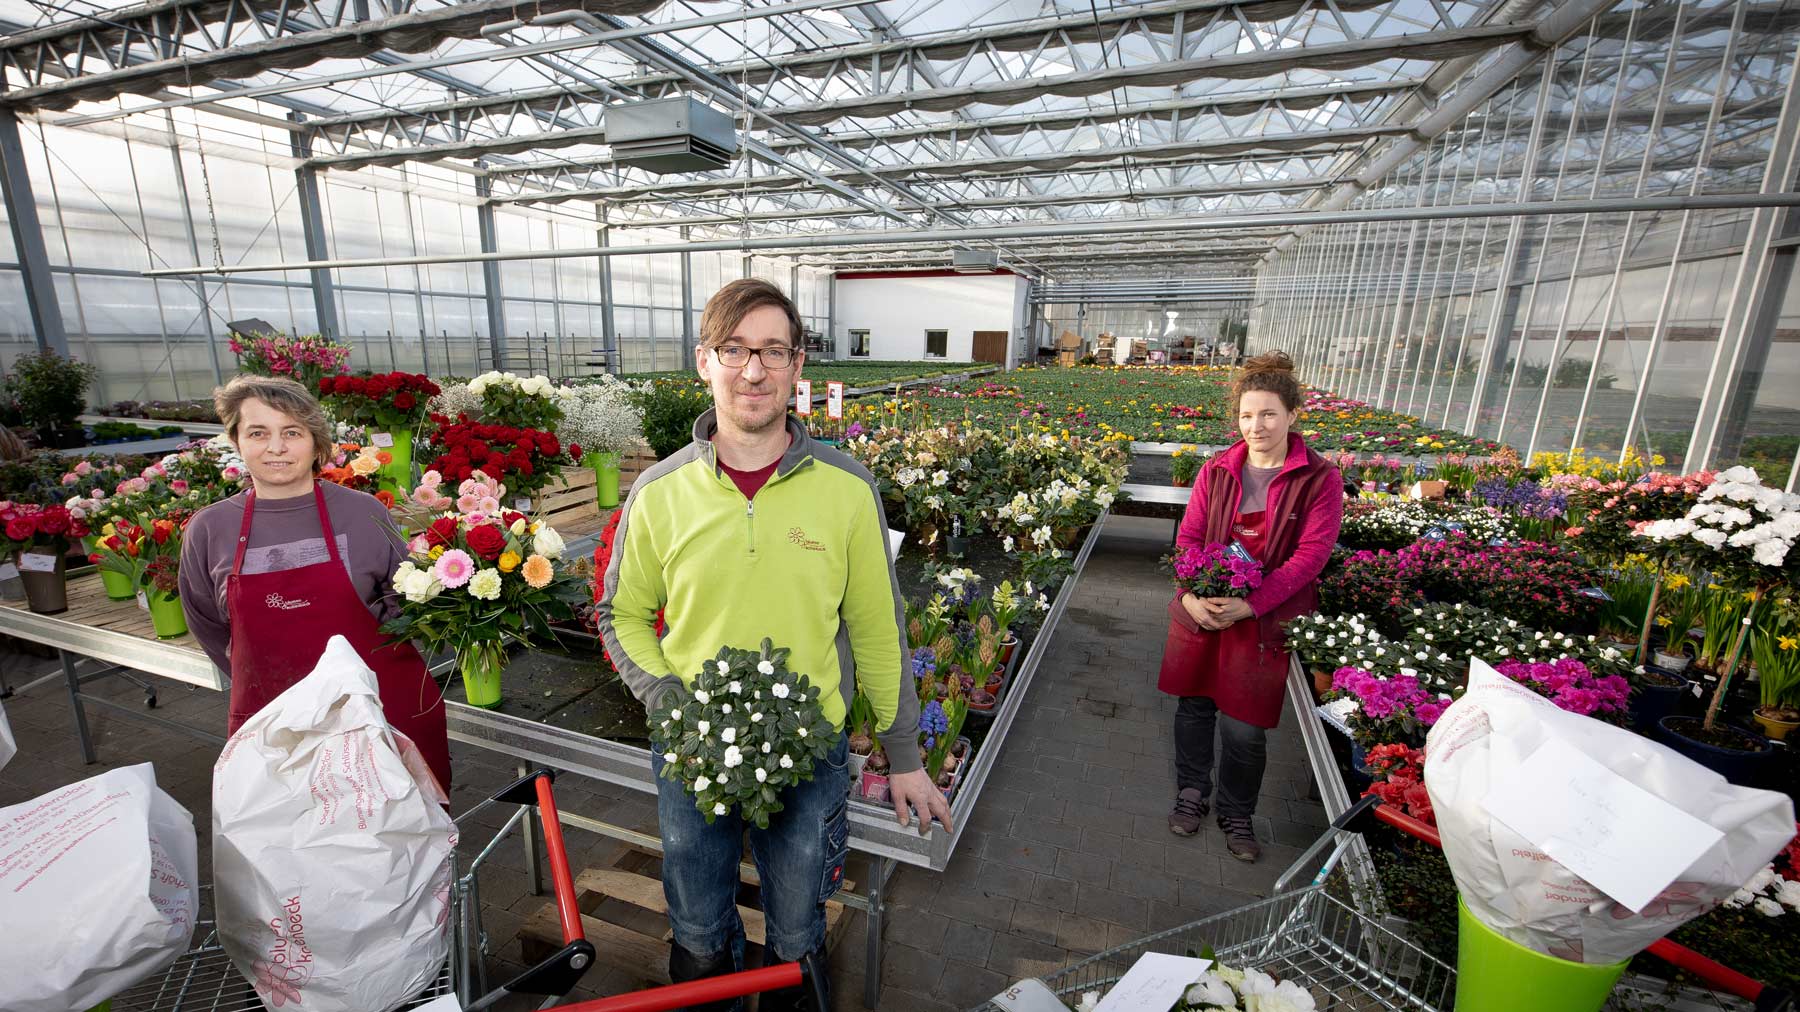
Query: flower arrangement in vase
x,y
306,358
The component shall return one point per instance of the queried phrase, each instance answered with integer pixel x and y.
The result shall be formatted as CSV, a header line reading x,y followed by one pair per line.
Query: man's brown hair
x,y
729,305
285,396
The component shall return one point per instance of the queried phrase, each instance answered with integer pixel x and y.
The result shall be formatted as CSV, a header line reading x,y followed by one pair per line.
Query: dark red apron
x,y
1241,673
281,621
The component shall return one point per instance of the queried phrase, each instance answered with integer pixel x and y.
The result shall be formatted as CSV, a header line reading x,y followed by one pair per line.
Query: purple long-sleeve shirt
x,y
285,535
1318,533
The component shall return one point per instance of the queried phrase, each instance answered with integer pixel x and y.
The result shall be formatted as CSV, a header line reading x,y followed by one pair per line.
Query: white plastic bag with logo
x,y
331,848
1474,756
99,886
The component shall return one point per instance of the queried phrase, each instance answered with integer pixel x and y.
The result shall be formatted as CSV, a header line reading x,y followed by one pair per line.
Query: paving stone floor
x,y
1067,854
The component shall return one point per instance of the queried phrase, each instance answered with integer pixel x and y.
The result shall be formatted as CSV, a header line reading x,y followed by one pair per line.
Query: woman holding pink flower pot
x,y
1225,656
272,573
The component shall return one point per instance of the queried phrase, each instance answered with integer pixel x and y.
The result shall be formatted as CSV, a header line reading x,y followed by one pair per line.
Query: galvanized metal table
x,y
98,638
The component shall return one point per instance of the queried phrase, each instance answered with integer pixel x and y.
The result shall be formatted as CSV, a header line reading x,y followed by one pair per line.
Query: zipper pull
x,y
750,510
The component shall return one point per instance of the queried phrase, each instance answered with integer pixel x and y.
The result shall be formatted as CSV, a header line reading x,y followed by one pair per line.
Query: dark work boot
x,y
685,966
813,994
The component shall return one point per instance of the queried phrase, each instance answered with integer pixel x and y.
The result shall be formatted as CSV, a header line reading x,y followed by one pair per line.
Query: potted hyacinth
x,y
1742,532
480,577
744,729
601,422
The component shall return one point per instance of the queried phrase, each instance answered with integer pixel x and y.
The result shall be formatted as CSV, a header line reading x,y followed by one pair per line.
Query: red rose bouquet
x,y
525,459
383,402
25,526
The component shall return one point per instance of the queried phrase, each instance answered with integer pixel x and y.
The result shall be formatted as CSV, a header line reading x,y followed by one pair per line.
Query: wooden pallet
x,y
624,914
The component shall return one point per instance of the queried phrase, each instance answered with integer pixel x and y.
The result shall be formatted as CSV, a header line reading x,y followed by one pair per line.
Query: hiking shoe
x,y
1240,840
1190,808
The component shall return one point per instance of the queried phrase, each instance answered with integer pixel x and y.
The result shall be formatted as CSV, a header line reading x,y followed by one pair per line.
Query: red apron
x,y
281,621
1241,673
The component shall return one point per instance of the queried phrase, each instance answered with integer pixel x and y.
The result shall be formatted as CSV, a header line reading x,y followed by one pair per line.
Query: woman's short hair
x,y
285,396
729,305
1272,372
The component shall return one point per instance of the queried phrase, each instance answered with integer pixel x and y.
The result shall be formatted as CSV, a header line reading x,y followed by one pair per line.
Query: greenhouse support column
x,y
1748,330
28,240
312,231
686,358
609,326
490,270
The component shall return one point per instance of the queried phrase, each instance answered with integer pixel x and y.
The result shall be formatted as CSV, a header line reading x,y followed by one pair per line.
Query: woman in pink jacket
x,y
1225,656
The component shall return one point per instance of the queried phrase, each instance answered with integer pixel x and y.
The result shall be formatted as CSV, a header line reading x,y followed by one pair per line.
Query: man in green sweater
x,y
753,530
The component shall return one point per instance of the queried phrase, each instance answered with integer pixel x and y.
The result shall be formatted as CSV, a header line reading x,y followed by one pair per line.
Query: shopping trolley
x,y
1311,931
203,979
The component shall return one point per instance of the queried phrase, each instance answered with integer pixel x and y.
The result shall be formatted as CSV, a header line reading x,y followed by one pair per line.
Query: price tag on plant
x,y
803,397
37,562
382,439
8,571
522,504
834,400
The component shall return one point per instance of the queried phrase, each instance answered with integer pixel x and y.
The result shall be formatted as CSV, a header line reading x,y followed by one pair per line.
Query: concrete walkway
x,y
1068,854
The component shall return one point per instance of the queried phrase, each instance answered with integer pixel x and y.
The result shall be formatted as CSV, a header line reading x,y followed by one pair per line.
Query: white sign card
x,y
803,397
37,562
1030,995
522,504
1625,841
8,571
1154,983
895,540
834,400
143,602
382,439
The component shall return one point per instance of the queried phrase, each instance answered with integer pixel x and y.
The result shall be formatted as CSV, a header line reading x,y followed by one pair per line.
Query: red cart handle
x,y
560,878
696,992
556,973
1717,975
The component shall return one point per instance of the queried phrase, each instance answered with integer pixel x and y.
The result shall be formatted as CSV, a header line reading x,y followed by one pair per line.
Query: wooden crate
x,y
568,504
624,914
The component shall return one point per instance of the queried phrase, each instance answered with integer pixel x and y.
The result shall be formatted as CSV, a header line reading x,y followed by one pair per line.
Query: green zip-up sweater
x,y
804,563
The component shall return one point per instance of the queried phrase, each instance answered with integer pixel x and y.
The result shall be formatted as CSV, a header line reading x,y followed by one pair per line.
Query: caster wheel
x,y
150,701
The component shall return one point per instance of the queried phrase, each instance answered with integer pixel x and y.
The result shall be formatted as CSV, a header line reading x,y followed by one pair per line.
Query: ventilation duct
x,y
679,134
974,261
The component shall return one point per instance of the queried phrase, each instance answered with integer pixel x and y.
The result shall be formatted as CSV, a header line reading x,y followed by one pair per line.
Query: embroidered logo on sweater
x,y
798,537
285,603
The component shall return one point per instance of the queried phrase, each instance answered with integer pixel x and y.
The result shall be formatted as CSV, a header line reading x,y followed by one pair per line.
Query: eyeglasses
x,y
736,356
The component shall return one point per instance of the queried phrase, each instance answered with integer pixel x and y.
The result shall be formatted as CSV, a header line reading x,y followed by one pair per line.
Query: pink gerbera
x,y
454,568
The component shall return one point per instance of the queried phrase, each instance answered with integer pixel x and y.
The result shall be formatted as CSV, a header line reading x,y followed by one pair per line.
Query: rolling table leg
x,y
81,724
881,869
528,831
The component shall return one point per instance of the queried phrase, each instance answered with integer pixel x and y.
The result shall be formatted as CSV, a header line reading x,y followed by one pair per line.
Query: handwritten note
x,y
382,439
803,397
1625,841
1154,983
37,562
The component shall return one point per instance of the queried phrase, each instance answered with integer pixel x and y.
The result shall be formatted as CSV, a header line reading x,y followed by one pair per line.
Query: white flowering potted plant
x,y
1742,532
479,578
742,730
601,422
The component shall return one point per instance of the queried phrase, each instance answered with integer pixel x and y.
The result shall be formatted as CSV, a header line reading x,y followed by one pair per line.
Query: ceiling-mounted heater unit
x,y
679,134
974,261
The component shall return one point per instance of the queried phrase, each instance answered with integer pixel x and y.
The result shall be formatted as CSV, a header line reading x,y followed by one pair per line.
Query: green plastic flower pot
x,y
481,666
399,470
165,614
606,477
1496,974
118,585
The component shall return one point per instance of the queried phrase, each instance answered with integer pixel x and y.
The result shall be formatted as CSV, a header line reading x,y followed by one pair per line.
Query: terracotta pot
x,y
1321,680
1007,646
1182,482
1774,727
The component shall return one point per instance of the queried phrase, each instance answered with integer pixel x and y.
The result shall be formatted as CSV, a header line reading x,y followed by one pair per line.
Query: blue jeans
x,y
800,858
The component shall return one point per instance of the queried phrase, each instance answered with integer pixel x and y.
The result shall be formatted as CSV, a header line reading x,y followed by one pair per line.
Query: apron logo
x,y
286,604
798,537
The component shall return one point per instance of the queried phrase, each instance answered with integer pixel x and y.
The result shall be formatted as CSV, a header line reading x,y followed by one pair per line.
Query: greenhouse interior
x,y
1200,505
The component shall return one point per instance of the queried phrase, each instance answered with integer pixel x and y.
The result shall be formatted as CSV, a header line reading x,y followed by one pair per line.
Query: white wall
x,y
897,311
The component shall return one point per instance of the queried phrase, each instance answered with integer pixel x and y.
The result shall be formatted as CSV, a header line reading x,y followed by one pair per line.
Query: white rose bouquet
x,y
746,728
